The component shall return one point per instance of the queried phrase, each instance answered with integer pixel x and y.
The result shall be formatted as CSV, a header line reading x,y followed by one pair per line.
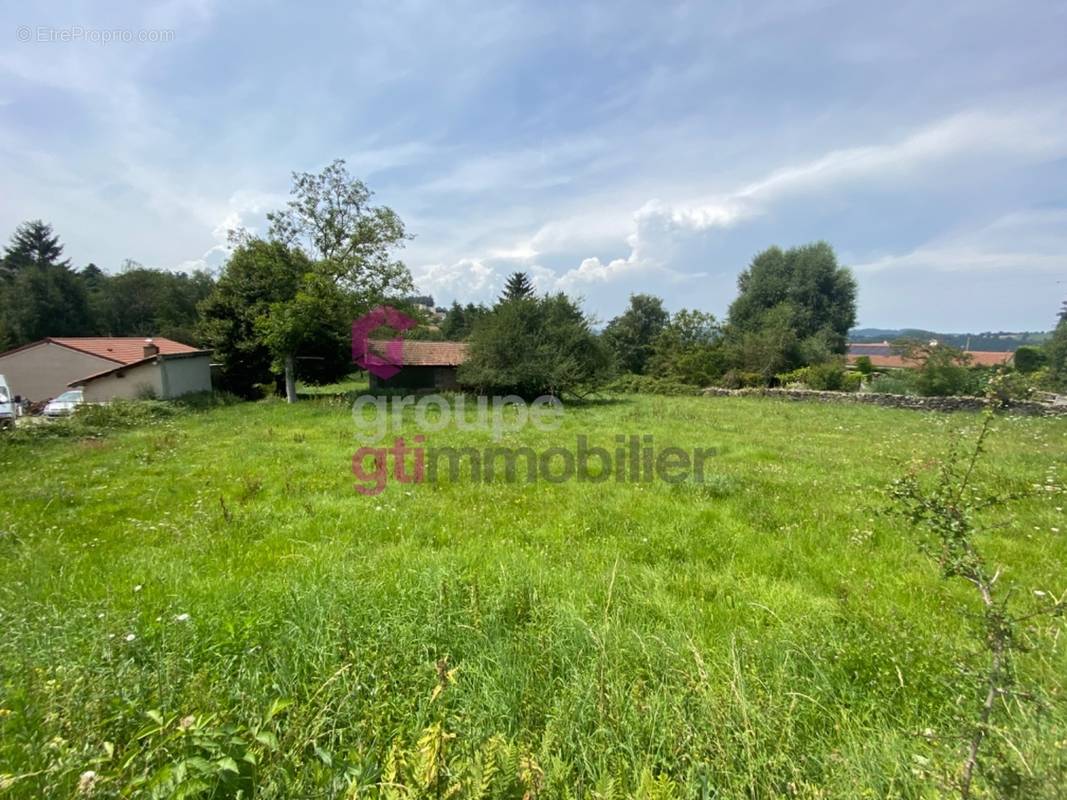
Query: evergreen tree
x,y
518,287
33,244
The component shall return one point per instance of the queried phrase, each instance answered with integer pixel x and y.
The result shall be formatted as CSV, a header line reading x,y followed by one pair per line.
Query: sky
x,y
606,148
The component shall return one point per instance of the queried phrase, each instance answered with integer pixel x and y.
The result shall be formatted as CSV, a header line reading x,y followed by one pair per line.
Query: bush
x,y
1029,359
851,382
650,384
202,401
829,376
536,345
864,366
1007,386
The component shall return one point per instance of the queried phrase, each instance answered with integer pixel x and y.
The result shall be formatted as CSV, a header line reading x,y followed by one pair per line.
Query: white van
x,y
7,405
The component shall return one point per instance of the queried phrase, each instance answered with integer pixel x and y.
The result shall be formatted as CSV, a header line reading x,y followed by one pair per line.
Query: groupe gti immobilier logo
x,y
633,458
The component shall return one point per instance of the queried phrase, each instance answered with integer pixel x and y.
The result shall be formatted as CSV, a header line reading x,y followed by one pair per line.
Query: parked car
x,y
7,405
64,405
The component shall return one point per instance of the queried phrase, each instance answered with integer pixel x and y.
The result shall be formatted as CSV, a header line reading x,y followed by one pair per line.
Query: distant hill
x,y
998,341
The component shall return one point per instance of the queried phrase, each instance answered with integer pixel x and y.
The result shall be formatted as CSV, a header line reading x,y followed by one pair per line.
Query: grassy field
x,y
204,606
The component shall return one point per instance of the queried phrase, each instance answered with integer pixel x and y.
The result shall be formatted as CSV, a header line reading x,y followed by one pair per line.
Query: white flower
x,y
130,637
182,618
86,781
138,588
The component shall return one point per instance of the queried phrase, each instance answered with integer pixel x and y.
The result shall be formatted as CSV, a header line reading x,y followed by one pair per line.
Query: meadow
x,y
203,606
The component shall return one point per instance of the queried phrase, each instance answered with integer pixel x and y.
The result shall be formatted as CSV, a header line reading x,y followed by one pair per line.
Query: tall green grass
x,y
202,606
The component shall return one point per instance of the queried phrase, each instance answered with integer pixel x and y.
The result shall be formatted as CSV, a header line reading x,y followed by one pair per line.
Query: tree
x,y
330,219
147,302
45,300
688,349
258,275
536,345
33,244
631,334
42,296
330,258
518,287
794,306
1056,353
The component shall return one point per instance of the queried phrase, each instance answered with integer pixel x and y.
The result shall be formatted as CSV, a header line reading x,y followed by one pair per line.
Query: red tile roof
x,y
121,349
427,354
882,355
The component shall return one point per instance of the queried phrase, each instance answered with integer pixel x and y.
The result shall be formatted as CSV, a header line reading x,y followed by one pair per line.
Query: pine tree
x,y
33,244
518,287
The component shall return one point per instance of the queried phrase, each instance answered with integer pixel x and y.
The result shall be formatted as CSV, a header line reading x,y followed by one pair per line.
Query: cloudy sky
x,y
607,147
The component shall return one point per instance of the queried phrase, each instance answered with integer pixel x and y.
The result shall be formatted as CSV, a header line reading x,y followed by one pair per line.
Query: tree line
x,y
41,294
283,303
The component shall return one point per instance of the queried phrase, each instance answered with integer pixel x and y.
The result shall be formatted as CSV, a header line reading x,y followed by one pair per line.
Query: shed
x,y
424,365
161,375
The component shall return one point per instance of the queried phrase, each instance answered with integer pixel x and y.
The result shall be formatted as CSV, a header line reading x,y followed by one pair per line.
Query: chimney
x,y
150,348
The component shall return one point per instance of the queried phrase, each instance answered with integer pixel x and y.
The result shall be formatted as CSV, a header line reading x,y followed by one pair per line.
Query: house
x,y
106,367
423,365
883,356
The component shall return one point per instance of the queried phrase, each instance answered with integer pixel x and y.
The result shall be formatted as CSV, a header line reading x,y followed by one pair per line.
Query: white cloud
x,y
660,231
1033,240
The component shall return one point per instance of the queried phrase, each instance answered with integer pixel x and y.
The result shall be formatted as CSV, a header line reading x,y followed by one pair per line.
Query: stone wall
x,y
1024,407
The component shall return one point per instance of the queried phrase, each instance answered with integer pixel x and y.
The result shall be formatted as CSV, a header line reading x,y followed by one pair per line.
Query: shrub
x,y
1029,359
1007,386
864,366
851,382
536,345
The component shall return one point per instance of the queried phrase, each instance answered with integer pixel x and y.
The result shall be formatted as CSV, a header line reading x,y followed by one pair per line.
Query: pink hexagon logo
x,y
381,359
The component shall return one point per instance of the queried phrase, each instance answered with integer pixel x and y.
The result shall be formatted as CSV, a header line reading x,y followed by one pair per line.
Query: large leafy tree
x,y
798,303
257,276
631,334
330,257
536,345
330,218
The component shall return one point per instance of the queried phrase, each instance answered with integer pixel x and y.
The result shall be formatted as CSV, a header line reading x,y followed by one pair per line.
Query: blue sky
x,y
606,148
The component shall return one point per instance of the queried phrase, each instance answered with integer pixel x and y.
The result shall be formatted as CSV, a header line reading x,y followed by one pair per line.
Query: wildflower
x,y
130,637
183,617
86,781
138,588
